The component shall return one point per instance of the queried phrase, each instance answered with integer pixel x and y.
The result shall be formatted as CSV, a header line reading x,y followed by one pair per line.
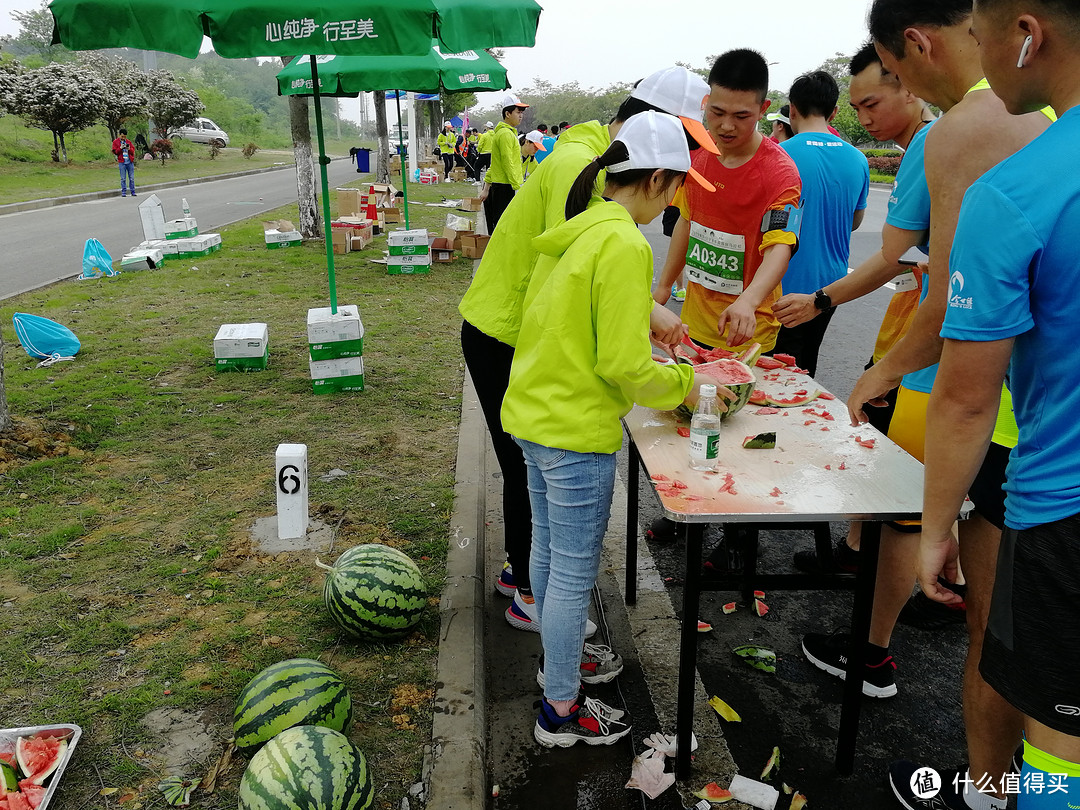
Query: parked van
x,y
202,130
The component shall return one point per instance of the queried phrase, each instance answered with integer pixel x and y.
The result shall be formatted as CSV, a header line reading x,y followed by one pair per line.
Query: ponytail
x,y
585,185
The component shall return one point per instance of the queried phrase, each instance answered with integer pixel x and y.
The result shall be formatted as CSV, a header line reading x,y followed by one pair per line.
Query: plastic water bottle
x,y
187,209
705,431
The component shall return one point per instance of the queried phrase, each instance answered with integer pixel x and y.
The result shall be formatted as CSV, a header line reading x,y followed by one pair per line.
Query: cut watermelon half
x,y
39,756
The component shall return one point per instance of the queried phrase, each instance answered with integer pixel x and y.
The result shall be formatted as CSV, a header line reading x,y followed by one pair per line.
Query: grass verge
x,y
128,578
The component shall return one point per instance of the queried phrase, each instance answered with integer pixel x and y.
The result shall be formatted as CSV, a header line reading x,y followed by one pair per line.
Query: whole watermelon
x,y
308,767
297,692
374,592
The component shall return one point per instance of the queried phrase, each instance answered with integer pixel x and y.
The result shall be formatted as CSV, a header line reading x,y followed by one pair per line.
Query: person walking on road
x,y
125,158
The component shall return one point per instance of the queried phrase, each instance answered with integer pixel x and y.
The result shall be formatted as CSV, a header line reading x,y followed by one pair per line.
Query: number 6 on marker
x,y
292,490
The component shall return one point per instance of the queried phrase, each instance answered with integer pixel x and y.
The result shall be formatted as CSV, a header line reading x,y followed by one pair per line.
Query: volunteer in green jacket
x,y
532,145
583,359
493,305
505,175
483,144
447,143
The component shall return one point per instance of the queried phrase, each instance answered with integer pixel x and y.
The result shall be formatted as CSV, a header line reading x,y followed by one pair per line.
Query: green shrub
x,y
883,153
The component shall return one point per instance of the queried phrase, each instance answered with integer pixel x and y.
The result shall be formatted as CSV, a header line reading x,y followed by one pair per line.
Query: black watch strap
x,y
822,300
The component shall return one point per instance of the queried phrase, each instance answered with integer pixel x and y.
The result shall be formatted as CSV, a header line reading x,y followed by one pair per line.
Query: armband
x,y
788,218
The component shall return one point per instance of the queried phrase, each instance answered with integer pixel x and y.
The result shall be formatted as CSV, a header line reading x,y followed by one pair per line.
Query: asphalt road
x,y
46,245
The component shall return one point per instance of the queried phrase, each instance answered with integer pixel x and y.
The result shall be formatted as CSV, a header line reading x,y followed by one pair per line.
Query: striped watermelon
x,y
297,692
374,592
307,768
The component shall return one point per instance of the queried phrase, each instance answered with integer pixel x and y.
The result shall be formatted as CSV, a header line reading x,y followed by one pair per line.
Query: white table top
x,y
818,471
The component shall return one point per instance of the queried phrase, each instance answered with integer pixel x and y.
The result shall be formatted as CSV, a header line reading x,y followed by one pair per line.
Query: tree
x,y
10,76
169,104
61,98
382,134
124,89
35,36
310,220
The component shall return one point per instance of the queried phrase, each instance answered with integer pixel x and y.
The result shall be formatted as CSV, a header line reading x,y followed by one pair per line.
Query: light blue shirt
x,y
835,182
548,144
1014,273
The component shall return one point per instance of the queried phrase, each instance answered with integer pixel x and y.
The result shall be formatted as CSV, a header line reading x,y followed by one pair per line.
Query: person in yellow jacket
x,y
493,305
583,359
504,177
532,144
447,144
483,144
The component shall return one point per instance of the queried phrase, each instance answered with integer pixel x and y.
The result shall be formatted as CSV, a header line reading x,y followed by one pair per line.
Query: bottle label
x,y
704,445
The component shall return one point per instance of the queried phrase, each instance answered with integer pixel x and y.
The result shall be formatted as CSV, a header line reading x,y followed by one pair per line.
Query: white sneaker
x,y
523,616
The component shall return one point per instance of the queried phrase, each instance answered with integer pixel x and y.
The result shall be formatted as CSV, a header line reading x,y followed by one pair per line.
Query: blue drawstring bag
x,y
46,340
96,261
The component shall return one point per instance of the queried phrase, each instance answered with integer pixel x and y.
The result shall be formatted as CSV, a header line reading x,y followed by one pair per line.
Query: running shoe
x,y
505,584
829,653
905,777
926,614
590,722
844,560
599,664
523,616
679,295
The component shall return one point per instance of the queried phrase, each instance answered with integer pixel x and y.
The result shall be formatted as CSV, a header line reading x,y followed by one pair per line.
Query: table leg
x,y
631,523
860,634
684,722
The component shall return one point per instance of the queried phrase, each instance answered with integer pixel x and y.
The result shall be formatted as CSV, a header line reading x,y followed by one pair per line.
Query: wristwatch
x,y
822,300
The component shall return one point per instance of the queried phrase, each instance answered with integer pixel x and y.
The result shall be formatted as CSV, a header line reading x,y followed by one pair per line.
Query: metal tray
x,y
65,731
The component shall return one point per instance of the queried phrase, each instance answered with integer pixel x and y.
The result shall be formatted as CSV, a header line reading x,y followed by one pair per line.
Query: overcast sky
x,y
600,42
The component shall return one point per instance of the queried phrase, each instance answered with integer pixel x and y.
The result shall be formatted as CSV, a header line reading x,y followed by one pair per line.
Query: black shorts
x,y
1031,651
986,492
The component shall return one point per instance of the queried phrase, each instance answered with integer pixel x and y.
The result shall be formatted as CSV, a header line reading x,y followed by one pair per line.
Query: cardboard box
x,y
142,259
385,193
459,174
472,204
359,243
193,247
428,178
408,265
242,347
275,240
455,236
342,240
324,325
181,228
442,250
167,247
390,214
416,236
409,250
348,202
473,245
153,218
341,374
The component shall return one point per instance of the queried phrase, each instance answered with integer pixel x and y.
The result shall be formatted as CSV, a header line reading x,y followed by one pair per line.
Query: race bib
x,y
715,259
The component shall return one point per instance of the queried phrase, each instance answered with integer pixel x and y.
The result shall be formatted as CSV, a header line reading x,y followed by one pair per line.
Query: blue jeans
x,y
127,177
570,495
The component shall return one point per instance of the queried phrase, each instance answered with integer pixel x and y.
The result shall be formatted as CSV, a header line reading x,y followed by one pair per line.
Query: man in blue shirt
x,y
836,179
1013,272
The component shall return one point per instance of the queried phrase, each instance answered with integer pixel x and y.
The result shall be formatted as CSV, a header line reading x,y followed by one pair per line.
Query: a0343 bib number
x,y
715,259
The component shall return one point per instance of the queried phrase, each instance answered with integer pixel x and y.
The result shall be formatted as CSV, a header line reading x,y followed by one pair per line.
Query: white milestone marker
x,y
292,490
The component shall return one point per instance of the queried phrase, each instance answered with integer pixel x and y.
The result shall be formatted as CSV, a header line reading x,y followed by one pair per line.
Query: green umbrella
x,y
352,75
245,28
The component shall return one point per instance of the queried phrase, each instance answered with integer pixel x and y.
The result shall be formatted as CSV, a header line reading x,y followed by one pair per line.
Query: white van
x,y
202,130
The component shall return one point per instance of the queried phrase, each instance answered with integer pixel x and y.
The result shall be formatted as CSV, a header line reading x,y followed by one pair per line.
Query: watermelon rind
x,y
375,592
9,780
23,756
308,767
296,692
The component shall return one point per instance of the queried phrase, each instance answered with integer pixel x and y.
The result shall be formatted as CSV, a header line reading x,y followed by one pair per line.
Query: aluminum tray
x,y
65,731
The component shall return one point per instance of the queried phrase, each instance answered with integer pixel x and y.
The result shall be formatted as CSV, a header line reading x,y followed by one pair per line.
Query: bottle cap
x,y
708,390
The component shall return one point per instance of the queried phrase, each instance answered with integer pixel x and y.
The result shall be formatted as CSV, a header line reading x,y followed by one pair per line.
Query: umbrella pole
x,y
323,160
404,166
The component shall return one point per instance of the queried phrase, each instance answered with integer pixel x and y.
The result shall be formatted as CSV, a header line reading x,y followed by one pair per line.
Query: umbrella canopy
x,y
351,75
243,28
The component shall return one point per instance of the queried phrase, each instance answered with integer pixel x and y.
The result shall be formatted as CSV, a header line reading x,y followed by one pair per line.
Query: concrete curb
x,y
51,202
459,728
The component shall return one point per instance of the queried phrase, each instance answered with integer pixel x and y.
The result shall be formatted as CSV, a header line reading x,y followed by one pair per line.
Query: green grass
x,y
128,578
879,177
28,173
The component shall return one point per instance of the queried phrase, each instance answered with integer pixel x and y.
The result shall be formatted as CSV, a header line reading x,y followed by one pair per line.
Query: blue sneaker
x,y
598,665
505,584
523,616
590,722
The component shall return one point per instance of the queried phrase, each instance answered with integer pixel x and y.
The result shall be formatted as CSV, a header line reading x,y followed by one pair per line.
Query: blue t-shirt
x,y
835,182
909,209
1014,274
548,143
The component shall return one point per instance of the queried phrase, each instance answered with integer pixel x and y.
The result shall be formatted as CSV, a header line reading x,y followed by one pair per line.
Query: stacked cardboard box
x,y
142,259
455,236
410,252
242,347
342,240
459,174
181,228
166,246
472,245
348,202
200,245
336,349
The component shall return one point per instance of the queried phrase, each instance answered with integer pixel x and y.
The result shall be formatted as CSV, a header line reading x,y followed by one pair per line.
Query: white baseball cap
x,y
446,124
656,141
536,137
511,100
489,125
778,116
677,91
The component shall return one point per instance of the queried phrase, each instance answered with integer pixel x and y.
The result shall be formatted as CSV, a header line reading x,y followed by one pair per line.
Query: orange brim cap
x,y
700,134
705,184
539,146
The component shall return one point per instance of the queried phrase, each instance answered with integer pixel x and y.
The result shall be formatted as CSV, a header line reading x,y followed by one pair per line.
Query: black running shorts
x,y
1031,651
986,491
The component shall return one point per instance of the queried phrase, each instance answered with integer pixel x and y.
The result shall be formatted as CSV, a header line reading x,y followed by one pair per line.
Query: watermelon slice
x,y
39,756
751,355
762,441
772,767
17,801
796,400
35,794
769,363
9,782
734,375
760,608
715,794
786,359
704,627
729,607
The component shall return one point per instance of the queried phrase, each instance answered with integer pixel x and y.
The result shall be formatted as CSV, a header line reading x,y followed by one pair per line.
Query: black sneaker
x,y
730,554
844,560
924,613
590,722
905,776
662,529
829,653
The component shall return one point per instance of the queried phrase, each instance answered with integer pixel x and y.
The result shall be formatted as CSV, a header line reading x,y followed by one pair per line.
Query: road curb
x,y
459,727
52,202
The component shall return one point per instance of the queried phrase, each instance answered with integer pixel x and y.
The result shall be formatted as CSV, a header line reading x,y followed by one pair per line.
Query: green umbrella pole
x,y
323,161
404,163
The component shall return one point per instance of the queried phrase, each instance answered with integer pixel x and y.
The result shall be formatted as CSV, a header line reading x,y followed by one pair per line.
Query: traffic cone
x,y
372,212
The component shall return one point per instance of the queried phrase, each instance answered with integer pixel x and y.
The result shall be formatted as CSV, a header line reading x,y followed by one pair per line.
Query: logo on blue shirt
x,y
956,287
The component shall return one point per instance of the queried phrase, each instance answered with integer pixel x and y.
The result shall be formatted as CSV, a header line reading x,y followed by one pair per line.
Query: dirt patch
x,y
189,740
29,440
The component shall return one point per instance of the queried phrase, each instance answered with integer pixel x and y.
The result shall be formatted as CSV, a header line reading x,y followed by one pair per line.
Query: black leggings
x,y
499,196
448,164
489,363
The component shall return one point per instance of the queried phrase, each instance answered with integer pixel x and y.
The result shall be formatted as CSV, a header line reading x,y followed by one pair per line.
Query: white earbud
x,y
1024,51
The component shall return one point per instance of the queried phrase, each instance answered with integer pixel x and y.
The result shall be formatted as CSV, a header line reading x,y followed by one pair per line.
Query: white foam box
x,y
341,374
276,240
242,347
181,228
408,265
202,244
417,236
142,259
333,336
167,247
